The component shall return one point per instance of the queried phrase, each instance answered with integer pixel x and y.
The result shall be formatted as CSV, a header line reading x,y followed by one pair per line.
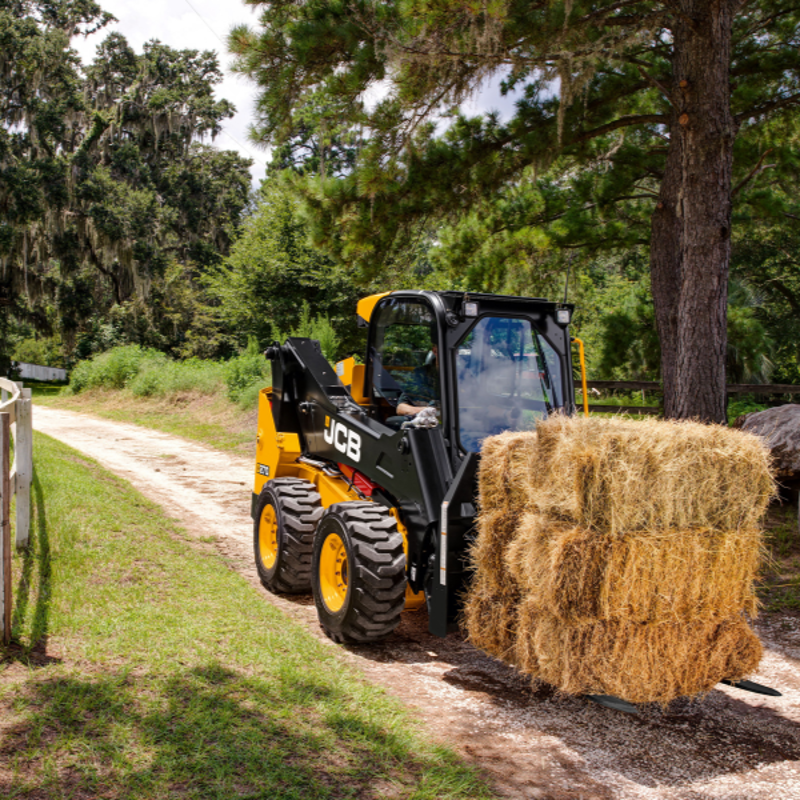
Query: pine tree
x,y
650,100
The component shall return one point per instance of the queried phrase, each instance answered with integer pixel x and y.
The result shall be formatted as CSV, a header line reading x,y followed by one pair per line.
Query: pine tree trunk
x,y
690,238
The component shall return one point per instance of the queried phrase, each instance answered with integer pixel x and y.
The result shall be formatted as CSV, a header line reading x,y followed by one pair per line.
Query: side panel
x,y
274,451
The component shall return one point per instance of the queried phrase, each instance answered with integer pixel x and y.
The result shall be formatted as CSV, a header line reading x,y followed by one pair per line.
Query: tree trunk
x,y
690,239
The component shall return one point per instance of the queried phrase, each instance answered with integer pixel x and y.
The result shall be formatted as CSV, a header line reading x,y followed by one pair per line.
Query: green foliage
x,y
317,327
113,369
246,374
273,270
110,196
602,136
43,350
162,377
147,373
743,404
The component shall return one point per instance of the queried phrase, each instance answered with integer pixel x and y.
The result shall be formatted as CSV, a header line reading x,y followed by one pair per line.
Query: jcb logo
x,y
343,439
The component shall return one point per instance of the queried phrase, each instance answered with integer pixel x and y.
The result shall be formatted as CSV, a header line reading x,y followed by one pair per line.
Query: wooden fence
x,y
654,386
15,479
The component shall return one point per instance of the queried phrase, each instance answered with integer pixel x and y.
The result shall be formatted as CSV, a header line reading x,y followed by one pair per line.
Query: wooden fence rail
x,y
654,386
15,479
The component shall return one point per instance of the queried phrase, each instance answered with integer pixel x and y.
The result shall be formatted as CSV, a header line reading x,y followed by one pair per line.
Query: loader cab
x,y
486,363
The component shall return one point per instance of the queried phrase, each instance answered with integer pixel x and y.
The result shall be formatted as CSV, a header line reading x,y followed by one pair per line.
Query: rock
x,y
780,429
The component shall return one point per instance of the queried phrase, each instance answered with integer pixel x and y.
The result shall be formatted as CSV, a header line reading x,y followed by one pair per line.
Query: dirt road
x,y
534,744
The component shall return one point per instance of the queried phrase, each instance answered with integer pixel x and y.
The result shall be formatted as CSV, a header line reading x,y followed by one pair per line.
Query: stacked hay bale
x,y
618,557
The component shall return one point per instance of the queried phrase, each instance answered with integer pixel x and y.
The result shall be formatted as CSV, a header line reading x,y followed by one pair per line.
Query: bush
x,y
246,370
113,369
248,397
745,404
163,377
318,328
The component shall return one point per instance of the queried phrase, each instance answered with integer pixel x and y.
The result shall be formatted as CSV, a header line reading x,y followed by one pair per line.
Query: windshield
x,y
508,378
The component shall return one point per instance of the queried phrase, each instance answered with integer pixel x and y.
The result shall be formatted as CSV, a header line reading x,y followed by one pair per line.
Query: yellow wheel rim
x,y
333,572
268,537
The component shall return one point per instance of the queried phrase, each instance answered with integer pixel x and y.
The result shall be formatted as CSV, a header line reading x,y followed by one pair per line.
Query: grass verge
x,y
213,420
144,668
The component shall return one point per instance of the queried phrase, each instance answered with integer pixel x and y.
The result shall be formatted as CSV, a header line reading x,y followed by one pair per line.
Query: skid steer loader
x,y
366,474
365,479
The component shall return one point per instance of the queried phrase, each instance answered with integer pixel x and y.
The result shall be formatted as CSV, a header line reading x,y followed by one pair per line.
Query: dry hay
x,y
619,476
490,619
638,662
618,557
505,469
579,574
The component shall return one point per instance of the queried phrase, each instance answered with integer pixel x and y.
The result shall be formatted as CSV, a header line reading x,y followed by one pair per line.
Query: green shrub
x,y
246,370
248,397
163,378
113,369
745,404
318,328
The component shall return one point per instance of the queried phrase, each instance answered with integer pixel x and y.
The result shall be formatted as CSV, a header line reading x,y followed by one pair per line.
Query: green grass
x,y
145,668
780,584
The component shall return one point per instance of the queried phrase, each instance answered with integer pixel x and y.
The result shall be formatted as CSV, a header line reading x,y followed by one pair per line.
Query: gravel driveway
x,y
533,743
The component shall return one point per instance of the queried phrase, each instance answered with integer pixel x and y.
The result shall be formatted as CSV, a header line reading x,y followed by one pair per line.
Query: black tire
x,y
285,567
375,579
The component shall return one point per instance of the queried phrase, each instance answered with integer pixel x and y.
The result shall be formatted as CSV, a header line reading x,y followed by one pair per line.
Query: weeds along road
x,y
533,743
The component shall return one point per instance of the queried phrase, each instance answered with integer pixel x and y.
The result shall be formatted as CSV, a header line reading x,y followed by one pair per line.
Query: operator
x,y
422,389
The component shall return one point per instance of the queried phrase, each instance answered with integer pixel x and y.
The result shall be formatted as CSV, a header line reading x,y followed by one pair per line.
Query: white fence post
x,y
5,526
23,460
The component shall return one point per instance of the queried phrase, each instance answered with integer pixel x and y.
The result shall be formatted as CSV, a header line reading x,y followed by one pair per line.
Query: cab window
x,y
402,359
508,377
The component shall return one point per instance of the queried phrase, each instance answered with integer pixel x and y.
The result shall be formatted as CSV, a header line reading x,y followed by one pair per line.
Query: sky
x,y
204,25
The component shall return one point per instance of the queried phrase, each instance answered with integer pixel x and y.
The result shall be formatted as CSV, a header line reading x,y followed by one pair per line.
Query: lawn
x,y
143,667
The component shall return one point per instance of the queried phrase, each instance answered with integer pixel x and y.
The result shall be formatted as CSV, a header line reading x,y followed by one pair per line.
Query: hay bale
x,y
503,494
618,557
490,619
635,661
579,574
619,476
504,472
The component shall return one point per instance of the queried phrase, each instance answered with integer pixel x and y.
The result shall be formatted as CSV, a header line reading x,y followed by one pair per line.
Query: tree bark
x,y
690,237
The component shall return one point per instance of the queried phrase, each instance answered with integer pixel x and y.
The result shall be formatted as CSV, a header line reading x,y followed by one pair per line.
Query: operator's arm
x,y
406,409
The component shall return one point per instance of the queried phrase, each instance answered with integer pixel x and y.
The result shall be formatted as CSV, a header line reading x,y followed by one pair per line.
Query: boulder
x,y
780,429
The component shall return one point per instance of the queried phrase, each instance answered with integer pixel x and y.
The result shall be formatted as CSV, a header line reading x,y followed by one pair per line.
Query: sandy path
x,y
536,744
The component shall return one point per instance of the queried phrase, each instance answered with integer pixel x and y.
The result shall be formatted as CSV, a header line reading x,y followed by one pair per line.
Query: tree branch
x,y
757,169
622,122
781,102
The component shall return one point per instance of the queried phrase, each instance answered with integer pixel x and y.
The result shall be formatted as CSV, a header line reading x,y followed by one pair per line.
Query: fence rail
x,y
15,479
654,386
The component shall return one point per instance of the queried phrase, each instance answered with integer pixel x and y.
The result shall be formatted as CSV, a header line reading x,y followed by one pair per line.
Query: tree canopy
x,y
105,182
636,122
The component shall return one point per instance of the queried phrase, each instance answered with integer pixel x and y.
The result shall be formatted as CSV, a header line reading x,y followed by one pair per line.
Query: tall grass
x,y
149,373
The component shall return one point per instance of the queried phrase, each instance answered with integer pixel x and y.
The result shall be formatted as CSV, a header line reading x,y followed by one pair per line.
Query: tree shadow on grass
x,y
35,581
207,732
